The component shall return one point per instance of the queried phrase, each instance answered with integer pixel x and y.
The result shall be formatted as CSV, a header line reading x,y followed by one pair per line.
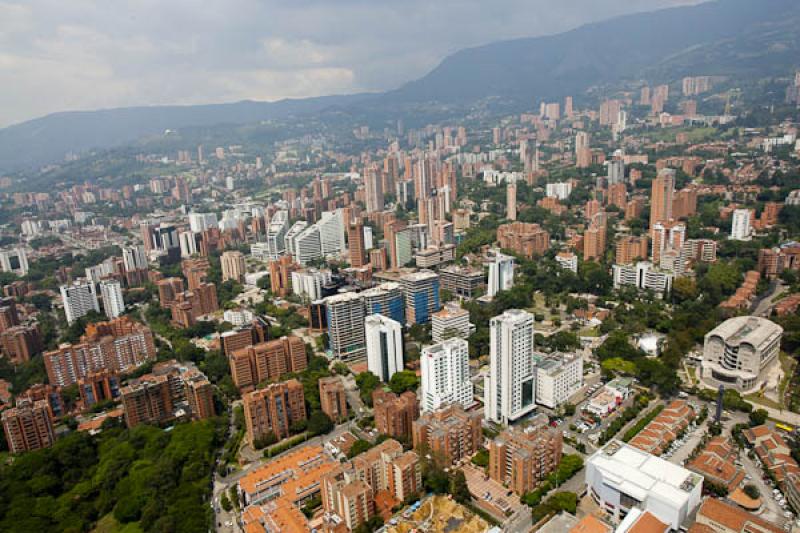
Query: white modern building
x,y
276,234
740,225
308,283
260,251
510,387
643,275
331,232
345,313
741,353
289,239
558,377
445,375
501,273
199,222
384,346
567,261
78,299
238,317
306,245
14,260
560,190
188,244
620,478
134,258
111,293
451,321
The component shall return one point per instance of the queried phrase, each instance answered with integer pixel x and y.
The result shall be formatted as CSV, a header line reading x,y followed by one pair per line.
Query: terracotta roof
x,y
648,523
591,524
733,518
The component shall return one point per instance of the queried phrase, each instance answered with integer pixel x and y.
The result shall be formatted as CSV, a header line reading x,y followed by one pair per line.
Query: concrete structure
x,y
620,477
308,283
267,361
273,409
530,240
510,387
521,458
451,321
445,375
14,260
661,196
394,414
28,426
558,377
567,261
233,267
384,338
421,290
276,235
332,398
111,294
462,282
718,516
450,432
345,314
741,352
643,275
78,299
741,228
501,273
560,190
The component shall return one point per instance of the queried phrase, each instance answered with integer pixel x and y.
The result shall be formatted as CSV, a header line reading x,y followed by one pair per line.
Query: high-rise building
x,y
332,398
345,314
356,245
661,196
331,232
501,273
445,375
78,299
28,426
200,222
386,299
524,238
233,266
394,415
511,201
21,343
450,432
267,361
558,377
134,258
740,225
630,248
421,291
373,190
273,409
510,387
522,459
111,294
667,235
451,321
148,401
280,275
384,346
308,283
276,235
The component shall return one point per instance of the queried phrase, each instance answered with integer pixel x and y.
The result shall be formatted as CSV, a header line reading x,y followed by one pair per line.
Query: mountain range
x,y
733,38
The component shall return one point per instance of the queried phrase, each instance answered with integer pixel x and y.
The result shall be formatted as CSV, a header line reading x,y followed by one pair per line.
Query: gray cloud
x,y
86,54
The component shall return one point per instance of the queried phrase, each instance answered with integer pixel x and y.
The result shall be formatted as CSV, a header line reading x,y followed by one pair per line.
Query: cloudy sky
x,y
58,55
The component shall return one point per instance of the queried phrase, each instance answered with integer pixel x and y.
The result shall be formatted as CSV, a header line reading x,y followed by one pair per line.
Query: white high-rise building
x,y
276,233
306,245
14,260
451,321
199,222
445,375
308,283
384,346
134,257
501,273
510,387
740,225
558,377
331,232
111,293
560,190
289,239
188,244
78,299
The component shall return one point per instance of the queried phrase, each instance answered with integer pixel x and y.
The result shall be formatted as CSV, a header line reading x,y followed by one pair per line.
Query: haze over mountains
x,y
725,37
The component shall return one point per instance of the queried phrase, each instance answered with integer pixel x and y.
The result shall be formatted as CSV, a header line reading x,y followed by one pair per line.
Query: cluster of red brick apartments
x,y
96,365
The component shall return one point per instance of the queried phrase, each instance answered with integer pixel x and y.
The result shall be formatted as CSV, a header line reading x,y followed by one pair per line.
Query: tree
x,y
752,491
758,417
319,423
459,488
359,447
367,382
403,381
226,503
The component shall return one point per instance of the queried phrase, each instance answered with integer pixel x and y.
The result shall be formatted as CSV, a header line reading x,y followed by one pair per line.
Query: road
x,y
764,306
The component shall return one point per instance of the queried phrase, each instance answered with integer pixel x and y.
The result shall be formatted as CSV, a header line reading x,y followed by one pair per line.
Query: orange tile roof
x,y
591,524
732,517
648,523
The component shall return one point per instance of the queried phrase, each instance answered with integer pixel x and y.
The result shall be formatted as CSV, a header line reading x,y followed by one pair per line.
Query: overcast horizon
x,y
57,56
